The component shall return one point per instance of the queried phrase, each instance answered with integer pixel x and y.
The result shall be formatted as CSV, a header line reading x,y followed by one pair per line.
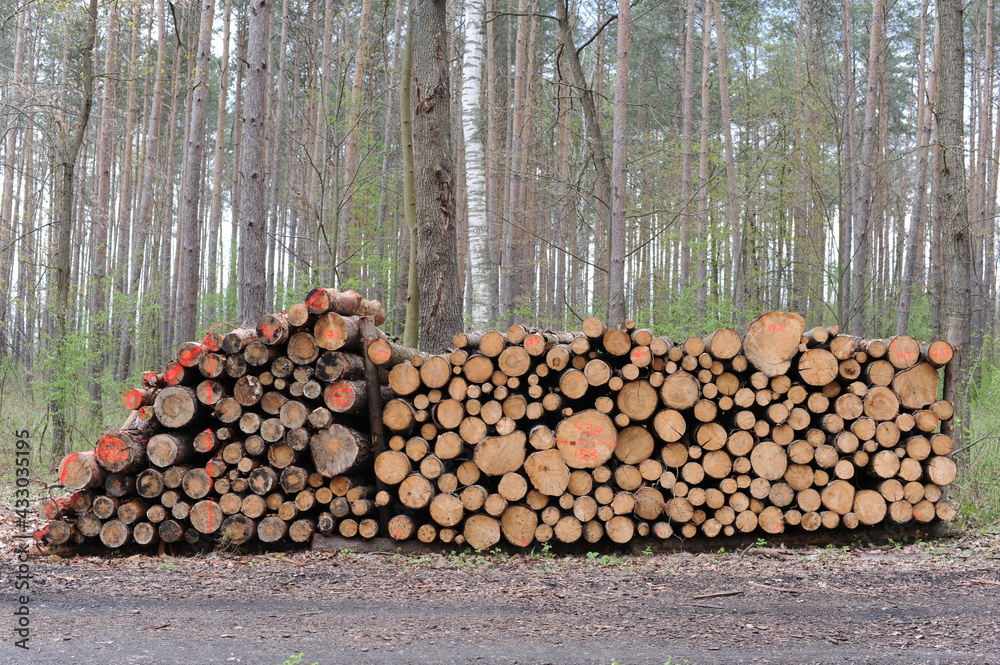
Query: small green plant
x,y
648,551
296,659
721,551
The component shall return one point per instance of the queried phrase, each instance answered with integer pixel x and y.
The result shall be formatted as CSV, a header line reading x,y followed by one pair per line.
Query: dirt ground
x,y
919,602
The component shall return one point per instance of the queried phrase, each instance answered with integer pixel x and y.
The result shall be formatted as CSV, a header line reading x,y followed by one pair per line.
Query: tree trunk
x,y
252,215
480,265
437,265
619,158
65,201
952,193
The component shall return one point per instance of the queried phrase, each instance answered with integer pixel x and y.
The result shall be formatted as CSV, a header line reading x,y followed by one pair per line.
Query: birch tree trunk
x,y
480,265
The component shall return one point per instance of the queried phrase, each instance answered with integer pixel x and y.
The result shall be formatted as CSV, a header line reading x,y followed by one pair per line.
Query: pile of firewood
x,y
533,436
257,434
275,433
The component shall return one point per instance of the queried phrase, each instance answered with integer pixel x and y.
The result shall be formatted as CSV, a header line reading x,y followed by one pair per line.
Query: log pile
x,y
259,434
533,436
275,433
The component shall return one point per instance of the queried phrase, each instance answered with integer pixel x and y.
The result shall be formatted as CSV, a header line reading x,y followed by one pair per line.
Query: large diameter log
x,y
498,455
273,329
938,353
176,406
870,507
903,351
772,341
586,439
339,449
333,365
916,386
122,451
638,400
79,471
548,472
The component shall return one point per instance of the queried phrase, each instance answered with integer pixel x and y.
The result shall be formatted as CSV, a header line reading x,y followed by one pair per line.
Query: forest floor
x,y
916,602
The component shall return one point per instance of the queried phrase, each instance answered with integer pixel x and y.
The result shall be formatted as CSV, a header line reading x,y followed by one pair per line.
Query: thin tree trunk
x,y
849,202
732,188
619,163
356,107
701,263
914,248
863,228
687,138
63,222
411,326
215,211
189,268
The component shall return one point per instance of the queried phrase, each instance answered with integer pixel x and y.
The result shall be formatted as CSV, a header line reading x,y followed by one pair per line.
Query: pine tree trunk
x,y
252,290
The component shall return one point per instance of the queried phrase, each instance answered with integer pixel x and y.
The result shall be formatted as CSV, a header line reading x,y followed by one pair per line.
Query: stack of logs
x,y
257,434
275,433
532,436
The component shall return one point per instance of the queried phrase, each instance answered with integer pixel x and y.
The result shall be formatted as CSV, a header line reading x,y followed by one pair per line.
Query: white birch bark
x,y
480,265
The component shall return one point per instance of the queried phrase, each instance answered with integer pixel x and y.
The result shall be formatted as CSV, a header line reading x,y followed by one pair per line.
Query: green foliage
x,y
977,488
296,659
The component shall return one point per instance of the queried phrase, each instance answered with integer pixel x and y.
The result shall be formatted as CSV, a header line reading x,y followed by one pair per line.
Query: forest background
x,y
686,163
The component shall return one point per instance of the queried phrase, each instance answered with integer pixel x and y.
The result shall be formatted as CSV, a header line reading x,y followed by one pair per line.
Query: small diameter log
x,y
149,483
237,530
339,449
115,534
386,353
170,448
271,529
818,367
79,471
772,341
333,365
518,524
481,532
134,398
206,516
